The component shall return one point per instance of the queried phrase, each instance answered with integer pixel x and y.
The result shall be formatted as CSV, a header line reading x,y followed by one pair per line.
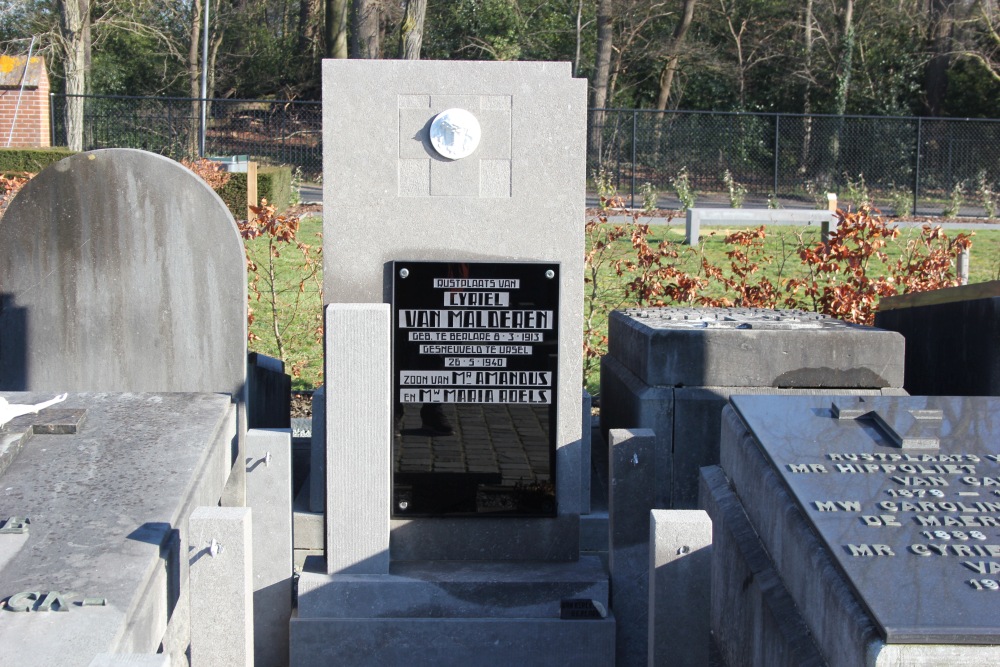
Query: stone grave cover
x,y
904,492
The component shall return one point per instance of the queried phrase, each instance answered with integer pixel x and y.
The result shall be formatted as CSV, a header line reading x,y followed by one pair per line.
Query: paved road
x,y
312,193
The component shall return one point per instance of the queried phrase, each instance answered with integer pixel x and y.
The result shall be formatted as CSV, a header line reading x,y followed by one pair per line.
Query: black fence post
x,y
52,119
916,170
634,139
777,135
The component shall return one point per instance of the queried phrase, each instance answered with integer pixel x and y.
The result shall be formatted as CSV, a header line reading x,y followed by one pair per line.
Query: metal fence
x,y
275,132
928,164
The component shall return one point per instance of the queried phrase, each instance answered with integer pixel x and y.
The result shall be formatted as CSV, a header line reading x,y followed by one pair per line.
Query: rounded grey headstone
x,y
121,270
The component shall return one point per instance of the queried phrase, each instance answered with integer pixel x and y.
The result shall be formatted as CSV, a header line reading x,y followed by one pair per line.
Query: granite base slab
x,y
453,589
485,642
432,613
484,539
753,618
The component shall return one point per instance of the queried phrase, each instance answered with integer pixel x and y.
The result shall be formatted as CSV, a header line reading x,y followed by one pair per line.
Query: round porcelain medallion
x,y
455,133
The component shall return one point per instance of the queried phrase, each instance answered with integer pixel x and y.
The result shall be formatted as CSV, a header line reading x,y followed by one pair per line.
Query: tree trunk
x,y
602,73
807,94
936,73
309,32
846,59
411,29
75,31
844,68
336,28
364,29
194,74
673,55
579,38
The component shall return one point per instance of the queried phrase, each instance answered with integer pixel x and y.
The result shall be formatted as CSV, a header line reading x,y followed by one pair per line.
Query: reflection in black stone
x,y
475,375
497,461
13,345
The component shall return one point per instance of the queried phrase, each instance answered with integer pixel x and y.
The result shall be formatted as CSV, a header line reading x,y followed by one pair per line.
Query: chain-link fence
x,y
794,159
797,159
274,132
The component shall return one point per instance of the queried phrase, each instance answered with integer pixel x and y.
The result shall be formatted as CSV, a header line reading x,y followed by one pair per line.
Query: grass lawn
x,y
300,308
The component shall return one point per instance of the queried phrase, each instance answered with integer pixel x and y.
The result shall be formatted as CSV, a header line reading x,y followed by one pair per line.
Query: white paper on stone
x,y
455,133
9,411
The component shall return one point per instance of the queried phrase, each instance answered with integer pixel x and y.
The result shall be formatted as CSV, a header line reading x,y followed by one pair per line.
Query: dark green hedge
x,y
273,184
31,160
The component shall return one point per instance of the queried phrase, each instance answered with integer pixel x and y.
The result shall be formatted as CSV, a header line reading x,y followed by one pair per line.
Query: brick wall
x,y
32,125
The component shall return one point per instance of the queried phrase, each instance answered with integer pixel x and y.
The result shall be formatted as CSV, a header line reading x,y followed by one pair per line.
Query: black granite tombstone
x,y
474,372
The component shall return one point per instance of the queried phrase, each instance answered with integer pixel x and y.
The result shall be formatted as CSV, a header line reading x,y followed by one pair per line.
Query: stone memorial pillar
x,y
630,499
453,431
680,561
269,495
222,629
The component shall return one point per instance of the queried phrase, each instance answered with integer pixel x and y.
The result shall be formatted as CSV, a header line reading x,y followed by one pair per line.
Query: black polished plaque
x,y
905,494
474,373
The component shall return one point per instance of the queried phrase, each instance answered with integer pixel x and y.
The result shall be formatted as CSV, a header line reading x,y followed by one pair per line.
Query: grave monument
x,y
856,531
673,369
123,282
453,432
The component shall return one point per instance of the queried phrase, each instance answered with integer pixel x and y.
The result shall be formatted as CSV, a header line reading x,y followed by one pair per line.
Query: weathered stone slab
x,y
754,619
911,522
868,609
686,422
107,510
121,270
749,347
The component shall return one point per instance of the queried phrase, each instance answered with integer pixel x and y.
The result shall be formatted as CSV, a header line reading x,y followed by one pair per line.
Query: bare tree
x,y
602,74
365,29
411,29
986,49
74,43
674,50
752,38
336,28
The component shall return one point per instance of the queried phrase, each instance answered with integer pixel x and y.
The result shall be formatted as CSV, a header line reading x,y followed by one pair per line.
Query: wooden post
x,y
251,188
